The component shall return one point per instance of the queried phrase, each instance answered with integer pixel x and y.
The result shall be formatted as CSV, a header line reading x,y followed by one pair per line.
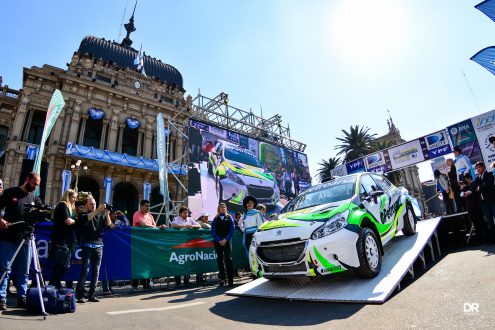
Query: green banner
x,y
159,253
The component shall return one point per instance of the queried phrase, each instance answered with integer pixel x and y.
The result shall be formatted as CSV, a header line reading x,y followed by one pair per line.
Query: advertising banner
x,y
356,166
435,145
378,162
135,253
339,170
226,166
484,127
406,154
462,135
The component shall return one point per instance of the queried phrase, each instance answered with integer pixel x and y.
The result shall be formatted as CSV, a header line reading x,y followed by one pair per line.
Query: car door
x,y
390,199
368,187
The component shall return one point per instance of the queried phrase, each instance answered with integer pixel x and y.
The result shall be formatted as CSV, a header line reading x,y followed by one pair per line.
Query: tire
x,y
409,222
369,253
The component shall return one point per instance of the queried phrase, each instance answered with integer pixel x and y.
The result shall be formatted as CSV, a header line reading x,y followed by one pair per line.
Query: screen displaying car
x,y
335,226
239,173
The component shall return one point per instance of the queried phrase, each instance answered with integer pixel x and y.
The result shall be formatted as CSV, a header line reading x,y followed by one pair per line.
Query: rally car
x,y
335,226
239,173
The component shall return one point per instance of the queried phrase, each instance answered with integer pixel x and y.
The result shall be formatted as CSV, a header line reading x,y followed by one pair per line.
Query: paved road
x,y
434,300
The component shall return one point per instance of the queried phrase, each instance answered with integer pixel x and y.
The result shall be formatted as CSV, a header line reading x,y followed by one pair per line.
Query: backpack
x,y
55,301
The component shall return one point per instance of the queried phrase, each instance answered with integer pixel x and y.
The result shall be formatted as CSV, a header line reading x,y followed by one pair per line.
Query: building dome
x,y
123,57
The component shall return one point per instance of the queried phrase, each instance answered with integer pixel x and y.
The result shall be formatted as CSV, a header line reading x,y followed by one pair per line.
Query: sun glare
x,y
367,32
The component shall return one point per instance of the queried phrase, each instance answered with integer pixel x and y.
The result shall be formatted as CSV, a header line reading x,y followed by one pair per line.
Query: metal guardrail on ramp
x,y
398,261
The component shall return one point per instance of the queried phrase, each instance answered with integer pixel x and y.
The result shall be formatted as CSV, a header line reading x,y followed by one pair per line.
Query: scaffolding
x,y
216,111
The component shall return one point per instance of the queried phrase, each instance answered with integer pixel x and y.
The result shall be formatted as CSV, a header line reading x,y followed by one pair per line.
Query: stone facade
x,y
121,93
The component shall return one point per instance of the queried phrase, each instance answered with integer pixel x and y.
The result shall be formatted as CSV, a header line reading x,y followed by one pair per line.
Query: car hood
x,y
299,224
252,171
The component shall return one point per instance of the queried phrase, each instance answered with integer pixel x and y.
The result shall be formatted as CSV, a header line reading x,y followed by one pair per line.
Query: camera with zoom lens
x,y
37,213
109,208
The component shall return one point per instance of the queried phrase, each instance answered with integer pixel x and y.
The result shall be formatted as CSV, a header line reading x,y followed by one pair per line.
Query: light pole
x,y
76,168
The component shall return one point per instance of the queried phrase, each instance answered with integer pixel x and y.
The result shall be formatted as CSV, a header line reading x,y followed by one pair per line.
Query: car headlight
x,y
253,242
335,223
233,176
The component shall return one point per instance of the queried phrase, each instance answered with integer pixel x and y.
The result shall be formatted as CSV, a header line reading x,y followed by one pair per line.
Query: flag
x,y
138,55
486,58
56,104
161,151
488,8
141,63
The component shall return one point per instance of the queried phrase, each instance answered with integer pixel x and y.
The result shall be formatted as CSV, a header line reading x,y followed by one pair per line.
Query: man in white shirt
x,y
184,221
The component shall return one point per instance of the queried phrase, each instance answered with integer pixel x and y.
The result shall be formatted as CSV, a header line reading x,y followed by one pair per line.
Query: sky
x,y
322,65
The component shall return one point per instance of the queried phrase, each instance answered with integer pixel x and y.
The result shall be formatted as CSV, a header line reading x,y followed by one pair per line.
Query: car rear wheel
x,y
370,257
409,222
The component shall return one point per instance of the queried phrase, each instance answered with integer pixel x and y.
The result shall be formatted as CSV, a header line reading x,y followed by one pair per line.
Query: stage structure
x,y
218,113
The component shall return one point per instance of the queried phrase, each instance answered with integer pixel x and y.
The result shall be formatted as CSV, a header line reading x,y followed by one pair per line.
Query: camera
x,y
36,213
109,208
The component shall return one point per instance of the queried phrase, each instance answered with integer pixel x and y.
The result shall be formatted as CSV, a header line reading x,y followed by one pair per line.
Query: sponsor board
x,y
339,170
356,166
406,154
463,135
436,144
378,162
484,127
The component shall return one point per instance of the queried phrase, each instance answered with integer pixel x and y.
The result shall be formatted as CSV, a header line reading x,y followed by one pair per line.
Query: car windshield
x,y
336,190
242,156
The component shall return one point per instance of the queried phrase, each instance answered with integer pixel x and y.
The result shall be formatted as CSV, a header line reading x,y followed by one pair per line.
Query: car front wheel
x,y
370,257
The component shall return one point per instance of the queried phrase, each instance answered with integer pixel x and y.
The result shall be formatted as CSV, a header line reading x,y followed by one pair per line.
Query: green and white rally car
x,y
239,173
334,226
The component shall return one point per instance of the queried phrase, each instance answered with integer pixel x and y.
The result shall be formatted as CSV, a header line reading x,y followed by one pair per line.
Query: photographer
x,y
63,237
13,201
90,228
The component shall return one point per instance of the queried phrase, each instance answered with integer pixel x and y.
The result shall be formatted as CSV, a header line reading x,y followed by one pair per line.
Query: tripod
x,y
29,237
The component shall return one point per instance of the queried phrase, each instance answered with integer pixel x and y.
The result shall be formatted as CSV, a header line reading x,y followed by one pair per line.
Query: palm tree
x,y
356,143
324,172
395,176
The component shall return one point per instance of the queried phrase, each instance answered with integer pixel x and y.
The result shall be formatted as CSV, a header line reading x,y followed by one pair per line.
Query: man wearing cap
x,y
462,163
203,221
251,221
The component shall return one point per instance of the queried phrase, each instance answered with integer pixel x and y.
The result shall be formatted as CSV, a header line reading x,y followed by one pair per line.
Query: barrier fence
x,y
136,253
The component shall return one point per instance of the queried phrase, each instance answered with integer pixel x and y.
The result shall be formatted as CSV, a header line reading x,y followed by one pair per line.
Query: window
x,y
92,133
130,141
367,185
36,128
103,78
383,183
3,137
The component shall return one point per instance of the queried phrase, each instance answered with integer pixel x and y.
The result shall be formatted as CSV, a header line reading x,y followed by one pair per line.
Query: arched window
x,y
130,137
94,128
4,130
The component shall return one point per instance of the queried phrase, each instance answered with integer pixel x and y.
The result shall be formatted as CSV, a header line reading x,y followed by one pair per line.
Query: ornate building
x,y
108,122
409,176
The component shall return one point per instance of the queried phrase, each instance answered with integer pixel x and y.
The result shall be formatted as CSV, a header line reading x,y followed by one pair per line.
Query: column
x,y
27,125
121,135
112,133
139,151
80,138
104,134
74,124
20,118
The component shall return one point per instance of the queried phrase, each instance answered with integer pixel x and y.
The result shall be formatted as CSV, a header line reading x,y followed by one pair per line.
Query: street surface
x,y
444,297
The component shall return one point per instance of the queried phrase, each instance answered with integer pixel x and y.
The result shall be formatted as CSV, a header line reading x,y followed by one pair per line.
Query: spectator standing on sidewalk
x,y
222,230
144,219
184,221
251,221
90,226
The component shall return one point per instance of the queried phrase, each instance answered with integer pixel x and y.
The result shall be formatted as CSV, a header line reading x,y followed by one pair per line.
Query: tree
x,y
324,172
356,143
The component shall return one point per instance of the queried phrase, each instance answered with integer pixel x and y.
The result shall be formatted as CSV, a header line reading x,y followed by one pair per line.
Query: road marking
x,y
156,309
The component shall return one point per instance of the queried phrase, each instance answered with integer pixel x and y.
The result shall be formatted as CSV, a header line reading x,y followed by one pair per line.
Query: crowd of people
x,y
471,189
79,223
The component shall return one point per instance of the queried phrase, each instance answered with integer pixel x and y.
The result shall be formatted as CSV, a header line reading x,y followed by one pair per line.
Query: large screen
x,y
226,167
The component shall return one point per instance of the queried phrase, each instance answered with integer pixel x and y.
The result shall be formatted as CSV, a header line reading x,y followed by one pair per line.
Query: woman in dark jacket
x,y
63,236
222,229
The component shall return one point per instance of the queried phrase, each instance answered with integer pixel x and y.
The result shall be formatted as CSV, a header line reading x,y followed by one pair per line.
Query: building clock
x,y
137,84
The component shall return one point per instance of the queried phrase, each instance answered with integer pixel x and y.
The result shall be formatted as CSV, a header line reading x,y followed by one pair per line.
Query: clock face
x,y
137,84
